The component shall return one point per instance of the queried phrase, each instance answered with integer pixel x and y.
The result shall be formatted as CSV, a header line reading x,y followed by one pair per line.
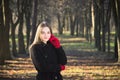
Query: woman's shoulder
x,y
35,46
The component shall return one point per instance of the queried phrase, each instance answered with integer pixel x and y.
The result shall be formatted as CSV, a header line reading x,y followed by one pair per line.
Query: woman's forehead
x,y
45,29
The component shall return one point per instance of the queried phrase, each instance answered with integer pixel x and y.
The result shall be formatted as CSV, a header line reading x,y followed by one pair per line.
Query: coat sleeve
x,y
40,63
62,59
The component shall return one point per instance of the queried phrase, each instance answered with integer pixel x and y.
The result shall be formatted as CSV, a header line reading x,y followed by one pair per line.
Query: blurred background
x,y
81,25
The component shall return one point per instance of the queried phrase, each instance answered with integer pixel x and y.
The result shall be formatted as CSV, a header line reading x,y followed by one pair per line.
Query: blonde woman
x,y
47,54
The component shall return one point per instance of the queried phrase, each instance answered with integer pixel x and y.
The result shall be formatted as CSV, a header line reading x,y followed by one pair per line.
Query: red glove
x,y
62,67
55,42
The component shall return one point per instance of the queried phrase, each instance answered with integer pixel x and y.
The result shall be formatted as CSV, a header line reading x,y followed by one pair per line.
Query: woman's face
x,y
45,34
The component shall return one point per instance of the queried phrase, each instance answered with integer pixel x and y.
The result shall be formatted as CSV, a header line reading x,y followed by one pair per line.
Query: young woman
x,y
47,54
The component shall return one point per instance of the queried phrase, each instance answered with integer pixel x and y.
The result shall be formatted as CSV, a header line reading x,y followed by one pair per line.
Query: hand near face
x,y
54,41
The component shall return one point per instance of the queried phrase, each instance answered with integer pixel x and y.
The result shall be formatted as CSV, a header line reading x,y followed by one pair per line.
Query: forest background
x,y
98,21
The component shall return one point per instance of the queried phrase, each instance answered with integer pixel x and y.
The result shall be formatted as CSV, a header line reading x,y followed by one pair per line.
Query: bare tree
x,y
4,31
21,44
34,20
28,12
116,12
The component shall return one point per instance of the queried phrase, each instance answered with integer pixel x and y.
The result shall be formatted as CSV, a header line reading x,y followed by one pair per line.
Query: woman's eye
x,y
42,32
48,32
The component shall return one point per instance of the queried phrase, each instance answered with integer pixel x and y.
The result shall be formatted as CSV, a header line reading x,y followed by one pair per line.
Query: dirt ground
x,y
82,64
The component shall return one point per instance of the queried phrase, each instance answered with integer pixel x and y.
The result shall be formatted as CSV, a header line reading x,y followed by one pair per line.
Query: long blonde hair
x,y
37,39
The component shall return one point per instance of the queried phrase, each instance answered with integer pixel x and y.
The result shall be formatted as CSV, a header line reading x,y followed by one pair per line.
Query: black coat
x,y
47,59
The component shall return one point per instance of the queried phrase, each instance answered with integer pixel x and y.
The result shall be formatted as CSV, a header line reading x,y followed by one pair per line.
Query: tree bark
x,y
34,20
103,48
4,31
2,58
21,45
116,15
97,28
13,37
28,11
72,24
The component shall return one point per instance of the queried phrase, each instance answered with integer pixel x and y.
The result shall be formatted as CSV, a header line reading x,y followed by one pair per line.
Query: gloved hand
x,y
54,41
62,67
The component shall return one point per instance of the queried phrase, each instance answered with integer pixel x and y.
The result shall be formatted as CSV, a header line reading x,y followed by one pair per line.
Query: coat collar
x,y
43,44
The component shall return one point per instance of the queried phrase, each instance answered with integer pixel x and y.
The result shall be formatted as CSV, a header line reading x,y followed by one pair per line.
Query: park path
x,y
83,64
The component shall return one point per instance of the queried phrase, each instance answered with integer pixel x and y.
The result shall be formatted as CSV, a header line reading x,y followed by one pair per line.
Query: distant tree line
x,y
97,20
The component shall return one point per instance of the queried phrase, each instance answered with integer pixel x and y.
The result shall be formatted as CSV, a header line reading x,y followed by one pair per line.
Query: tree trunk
x,y
77,26
61,23
4,31
7,27
107,23
82,27
72,24
34,20
116,15
60,29
27,18
88,23
14,50
2,58
13,28
21,45
97,28
118,29
102,26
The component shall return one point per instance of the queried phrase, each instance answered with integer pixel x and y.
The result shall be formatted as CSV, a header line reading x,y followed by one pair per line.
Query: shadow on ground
x,y
82,65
